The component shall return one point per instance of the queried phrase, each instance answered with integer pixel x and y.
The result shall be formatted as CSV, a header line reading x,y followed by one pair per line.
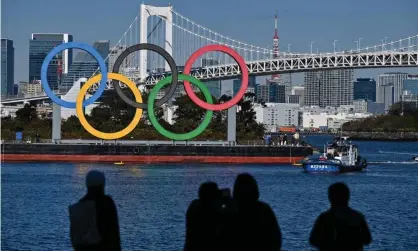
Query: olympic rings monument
x,y
170,65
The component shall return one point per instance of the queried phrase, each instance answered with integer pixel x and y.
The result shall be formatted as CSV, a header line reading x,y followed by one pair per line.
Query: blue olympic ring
x,y
71,45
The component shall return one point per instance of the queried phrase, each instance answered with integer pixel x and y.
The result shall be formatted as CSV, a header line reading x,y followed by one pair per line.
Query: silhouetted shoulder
x,y
193,206
265,207
109,199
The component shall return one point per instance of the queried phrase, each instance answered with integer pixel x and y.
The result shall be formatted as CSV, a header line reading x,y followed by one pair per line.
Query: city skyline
x,y
260,22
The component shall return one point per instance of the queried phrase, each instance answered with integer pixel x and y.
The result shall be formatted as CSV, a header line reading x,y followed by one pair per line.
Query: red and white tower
x,y
275,45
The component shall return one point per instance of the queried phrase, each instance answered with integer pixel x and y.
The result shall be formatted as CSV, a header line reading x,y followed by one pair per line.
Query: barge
x,y
157,153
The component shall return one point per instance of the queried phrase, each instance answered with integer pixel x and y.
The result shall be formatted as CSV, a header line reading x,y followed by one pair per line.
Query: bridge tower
x,y
162,12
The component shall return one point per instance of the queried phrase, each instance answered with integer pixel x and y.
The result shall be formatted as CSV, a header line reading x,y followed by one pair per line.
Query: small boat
x,y
119,163
338,157
415,158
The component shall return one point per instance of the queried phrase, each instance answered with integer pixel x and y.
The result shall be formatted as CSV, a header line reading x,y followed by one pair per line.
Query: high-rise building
x,y
386,92
114,54
411,84
15,89
392,78
329,87
271,92
236,85
299,91
7,66
214,86
85,65
293,99
39,47
365,88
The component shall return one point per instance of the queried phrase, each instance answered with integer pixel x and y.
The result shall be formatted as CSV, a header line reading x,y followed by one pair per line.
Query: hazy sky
x,y
300,22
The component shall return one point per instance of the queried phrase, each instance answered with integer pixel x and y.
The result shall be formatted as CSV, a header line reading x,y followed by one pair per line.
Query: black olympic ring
x,y
165,55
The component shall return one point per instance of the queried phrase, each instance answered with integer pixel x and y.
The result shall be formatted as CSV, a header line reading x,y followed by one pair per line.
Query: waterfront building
x,y
7,67
275,115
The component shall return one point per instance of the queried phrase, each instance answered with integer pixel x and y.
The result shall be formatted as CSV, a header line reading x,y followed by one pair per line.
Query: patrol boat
x,y
338,157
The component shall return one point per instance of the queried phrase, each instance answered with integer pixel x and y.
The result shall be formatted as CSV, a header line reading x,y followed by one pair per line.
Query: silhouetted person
x,y
202,219
255,226
94,219
340,228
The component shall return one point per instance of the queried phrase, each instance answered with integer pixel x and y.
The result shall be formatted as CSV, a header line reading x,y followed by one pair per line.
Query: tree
x,y
27,113
247,126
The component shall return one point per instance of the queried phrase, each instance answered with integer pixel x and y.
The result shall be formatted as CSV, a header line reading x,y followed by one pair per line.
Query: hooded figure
x,y
106,216
202,220
256,226
340,228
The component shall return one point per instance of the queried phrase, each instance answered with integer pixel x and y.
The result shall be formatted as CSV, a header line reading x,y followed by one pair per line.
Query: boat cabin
x,y
346,152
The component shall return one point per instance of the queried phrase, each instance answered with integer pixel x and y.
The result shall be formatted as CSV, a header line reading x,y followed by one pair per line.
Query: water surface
x,y
152,199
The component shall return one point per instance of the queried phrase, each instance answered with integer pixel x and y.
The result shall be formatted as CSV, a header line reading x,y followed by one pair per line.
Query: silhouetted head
x,y
338,194
95,181
208,191
246,188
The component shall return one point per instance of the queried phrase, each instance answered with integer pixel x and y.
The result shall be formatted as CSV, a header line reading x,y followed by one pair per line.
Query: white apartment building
x,y
275,115
314,120
360,106
336,121
332,121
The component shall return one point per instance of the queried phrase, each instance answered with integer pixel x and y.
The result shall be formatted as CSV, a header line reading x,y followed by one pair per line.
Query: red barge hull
x,y
83,153
148,159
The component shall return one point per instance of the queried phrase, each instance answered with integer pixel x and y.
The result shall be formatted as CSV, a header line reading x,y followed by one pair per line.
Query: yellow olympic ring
x,y
85,123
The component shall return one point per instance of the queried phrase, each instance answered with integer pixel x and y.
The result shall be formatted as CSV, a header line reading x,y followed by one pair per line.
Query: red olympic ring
x,y
242,66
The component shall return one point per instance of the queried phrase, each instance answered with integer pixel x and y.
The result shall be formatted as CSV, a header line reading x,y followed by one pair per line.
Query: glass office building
x,y
85,65
39,47
236,85
7,66
411,84
365,88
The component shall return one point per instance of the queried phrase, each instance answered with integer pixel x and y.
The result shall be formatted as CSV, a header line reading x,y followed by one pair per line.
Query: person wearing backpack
x,y
340,228
93,219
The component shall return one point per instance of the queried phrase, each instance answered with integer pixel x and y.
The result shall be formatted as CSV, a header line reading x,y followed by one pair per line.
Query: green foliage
x,y
392,122
113,114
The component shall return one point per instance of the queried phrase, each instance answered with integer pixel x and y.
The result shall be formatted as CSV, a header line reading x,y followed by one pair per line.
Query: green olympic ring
x,y
179,136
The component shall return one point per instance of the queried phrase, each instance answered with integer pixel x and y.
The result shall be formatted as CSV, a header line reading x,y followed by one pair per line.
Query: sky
x,y
300,22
